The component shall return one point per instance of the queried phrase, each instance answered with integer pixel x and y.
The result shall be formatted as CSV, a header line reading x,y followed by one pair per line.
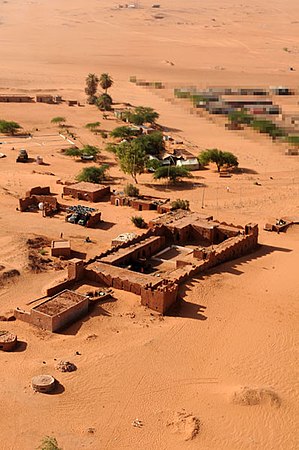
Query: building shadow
x,y
191,310
179,186
77,254
21,347
95,310
188,310
59,389
104,225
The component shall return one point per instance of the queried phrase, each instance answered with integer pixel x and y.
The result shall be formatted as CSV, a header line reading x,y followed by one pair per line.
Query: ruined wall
x,y
86,195
70,315
34,200
94,220
67,284
38,190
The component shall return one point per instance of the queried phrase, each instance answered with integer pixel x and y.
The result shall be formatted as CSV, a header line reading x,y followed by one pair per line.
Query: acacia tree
x,y
105,81
172,173
59,120
218,157
9,127
132,158
89,150
92,82
93,126
124,133
141,115
93,174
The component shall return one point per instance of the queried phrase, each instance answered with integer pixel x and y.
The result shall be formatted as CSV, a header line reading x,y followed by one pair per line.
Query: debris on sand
x,y
185,424
66,366
247,396
7,275
137,423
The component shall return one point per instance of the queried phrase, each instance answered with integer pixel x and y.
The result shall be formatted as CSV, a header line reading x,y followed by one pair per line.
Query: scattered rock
x,y
247,396
137,423
66,366
185,424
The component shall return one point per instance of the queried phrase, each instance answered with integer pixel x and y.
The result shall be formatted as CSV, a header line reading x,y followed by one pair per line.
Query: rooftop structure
x,y
90,192
57,311
8,341
61,248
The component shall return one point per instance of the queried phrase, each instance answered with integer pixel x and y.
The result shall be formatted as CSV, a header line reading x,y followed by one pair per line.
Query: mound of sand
x,y
255,396
185,424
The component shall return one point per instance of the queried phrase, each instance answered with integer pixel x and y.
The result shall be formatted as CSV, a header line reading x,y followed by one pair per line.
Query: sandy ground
x,y
237,325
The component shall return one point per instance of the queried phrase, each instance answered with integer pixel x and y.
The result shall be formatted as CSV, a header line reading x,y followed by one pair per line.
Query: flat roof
x,y
120,253
87,187
61,244
60,302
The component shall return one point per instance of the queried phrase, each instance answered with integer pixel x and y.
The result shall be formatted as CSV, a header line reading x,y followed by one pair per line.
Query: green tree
x,y
141,115
180,204
104,102
93,126
218,157
59,120
124,132
49,443
237,118
93,174
153,143
91,88
172,173
131,190
9,127
132,158
89,150
105,81
267,126
293,140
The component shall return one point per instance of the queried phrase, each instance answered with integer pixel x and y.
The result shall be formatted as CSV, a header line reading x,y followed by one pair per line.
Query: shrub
x,y
218,157
180,204
93,174
49,443
58,120
131,190
9,127
138,221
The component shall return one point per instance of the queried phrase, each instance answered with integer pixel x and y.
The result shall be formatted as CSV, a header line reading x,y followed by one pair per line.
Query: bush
x,y
104,102
9,127
138,221
180,204
93,174
218,157
141,115
89,150
131,190
49,443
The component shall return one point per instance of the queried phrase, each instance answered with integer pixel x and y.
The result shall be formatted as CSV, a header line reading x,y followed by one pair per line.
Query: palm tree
x,y
92,82
105,81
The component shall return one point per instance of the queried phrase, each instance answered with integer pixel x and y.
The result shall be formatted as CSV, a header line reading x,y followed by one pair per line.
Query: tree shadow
x,y
179,186
244,170
170,129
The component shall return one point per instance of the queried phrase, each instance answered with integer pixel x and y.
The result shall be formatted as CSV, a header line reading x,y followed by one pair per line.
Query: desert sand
x,y
221,372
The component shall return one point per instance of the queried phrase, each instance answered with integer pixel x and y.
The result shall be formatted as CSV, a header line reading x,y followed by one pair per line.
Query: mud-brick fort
x,y
176,247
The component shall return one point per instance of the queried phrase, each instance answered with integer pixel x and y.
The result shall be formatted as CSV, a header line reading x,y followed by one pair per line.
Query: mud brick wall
x,y
94,220
161,298
38,190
